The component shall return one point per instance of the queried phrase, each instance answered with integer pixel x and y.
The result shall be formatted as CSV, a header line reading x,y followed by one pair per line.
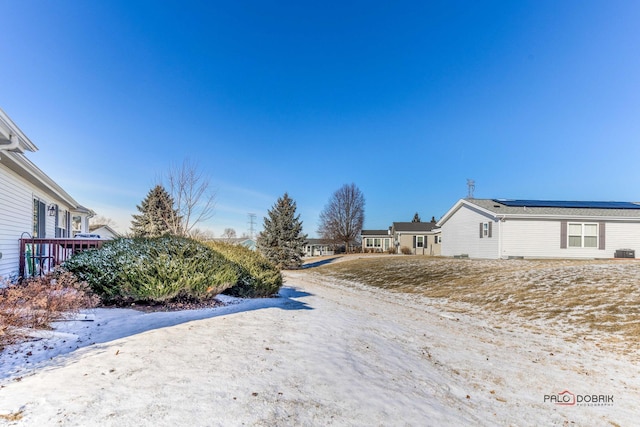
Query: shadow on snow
x,y
110,324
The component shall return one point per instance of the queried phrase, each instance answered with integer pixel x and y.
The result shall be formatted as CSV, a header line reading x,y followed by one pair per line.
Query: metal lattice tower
x,y
471,186
252,222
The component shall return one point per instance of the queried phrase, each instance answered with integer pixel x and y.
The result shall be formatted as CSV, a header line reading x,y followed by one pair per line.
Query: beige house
x,y
417,238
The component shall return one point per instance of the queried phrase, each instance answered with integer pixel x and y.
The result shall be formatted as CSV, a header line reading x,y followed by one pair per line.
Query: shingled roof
x,y
557,207
414,226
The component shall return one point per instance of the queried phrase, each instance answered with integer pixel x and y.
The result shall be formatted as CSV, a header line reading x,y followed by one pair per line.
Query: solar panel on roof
x,y
567,204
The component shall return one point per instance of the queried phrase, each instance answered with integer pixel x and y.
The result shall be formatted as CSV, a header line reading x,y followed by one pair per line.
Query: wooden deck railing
x,y
40,256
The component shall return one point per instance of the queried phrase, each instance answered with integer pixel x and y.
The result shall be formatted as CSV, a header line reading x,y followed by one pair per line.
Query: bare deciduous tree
x,y
343,217
228,234
102,220
199,234
193,196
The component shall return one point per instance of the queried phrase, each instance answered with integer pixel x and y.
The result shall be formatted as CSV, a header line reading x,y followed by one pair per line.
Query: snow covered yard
x,y
328,352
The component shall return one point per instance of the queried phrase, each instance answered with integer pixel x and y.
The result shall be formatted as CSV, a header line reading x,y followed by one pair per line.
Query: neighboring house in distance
x,y
318,247
376,240
242,241
104,231
422,238
501,228
31,203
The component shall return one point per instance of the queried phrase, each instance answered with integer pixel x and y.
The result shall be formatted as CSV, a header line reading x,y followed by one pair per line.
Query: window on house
x,y
39,218
583,235
371,242
485,229
419,241
76,224
62,223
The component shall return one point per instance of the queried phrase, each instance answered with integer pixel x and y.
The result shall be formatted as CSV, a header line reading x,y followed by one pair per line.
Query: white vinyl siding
x,y
541,239
460,235
16,217
530,237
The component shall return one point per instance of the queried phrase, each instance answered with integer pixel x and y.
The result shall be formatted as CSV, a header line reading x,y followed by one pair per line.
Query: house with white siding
x,y
318,247
32,205
506,228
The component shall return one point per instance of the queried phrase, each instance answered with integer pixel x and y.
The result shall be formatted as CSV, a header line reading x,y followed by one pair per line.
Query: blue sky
x,y
531,99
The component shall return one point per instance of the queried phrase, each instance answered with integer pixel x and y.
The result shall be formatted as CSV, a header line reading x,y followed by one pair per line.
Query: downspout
x,y
500,221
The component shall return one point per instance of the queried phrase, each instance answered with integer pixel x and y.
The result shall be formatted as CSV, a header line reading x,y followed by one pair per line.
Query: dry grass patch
x,y
587,297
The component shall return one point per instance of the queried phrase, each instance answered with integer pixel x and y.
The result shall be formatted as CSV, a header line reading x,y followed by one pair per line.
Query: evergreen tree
x,y
416,218
157,214
282,240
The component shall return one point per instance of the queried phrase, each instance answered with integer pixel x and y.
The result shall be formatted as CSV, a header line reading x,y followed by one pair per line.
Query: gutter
x,y
12,145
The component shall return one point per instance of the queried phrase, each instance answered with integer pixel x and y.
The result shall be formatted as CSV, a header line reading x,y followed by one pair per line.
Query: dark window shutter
x,y
601,235
563,235
481,230
490,227
414,241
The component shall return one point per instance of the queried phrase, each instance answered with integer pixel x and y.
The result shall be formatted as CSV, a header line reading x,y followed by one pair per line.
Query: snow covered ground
x,y
325,353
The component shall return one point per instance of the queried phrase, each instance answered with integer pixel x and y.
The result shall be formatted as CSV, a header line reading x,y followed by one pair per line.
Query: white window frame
x,y
373,242
419,241
583,236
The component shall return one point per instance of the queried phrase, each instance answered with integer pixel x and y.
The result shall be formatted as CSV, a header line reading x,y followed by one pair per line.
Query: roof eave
x,y
9,130
39,178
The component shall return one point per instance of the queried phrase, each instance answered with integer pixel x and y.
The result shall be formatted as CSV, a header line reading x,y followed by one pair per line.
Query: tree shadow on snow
x,y
319,263
110,324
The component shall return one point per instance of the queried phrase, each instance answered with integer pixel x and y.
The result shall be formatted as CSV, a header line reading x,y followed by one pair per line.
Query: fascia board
x,y
33,174
571,217
458,205
8,126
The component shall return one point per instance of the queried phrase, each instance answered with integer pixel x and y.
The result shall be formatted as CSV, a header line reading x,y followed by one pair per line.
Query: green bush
x,y
154,270
257,277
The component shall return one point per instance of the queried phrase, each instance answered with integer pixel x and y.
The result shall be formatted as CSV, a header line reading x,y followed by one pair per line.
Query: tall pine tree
x,y
282,240
157,214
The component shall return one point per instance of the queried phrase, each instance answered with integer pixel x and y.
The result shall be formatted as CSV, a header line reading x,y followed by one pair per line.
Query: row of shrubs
x,y
405,250
162,269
